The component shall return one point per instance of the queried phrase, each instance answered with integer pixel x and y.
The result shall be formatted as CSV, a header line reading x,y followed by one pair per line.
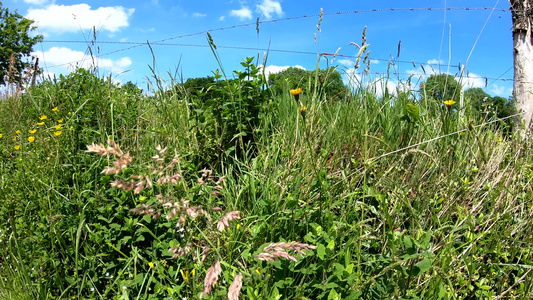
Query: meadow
x,y
236,191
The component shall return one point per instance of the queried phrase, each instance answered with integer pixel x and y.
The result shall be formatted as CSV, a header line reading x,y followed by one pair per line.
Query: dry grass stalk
x,y
224,222
211,277
279,250
181,251
235,288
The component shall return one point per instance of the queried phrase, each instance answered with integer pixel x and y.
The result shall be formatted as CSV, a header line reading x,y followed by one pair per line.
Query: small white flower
x,y
92,289
106,274
124,287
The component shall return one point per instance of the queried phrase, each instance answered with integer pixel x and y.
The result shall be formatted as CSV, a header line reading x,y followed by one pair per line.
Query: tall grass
x,y
316,204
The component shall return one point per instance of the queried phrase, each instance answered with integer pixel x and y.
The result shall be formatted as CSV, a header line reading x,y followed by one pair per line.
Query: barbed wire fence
x,y
165,42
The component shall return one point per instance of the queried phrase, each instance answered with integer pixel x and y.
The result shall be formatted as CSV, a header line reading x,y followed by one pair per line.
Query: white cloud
x,y
346,62
222,18
435,62
272,69
501,91
244,13
269,7
472,81
374,61
63,18
199,15
36,2
69,59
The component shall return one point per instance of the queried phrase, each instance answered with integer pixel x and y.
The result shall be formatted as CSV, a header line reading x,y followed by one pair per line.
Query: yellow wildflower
x,y
54,109
296,93
193,272
40,123
449,102
60,121
151,264
258,270
303,110
31,139
58,126
57,133
43,117
185,275
17,147
17,132
1,135
32,131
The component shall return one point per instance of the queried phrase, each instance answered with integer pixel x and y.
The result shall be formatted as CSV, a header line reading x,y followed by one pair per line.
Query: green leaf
x,y
413,111
321,251
422,266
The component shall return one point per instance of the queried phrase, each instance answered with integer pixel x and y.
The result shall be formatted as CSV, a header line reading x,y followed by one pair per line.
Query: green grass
x,y
448,219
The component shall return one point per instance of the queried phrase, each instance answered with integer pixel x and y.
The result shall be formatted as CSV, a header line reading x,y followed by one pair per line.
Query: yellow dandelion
x,y
57,133
17,147
151,265
193,272
303,110
60,121
449,102
258,270
1,135
54,109
185,275
31,139
32,131
40,123
58,126
238,226
296,93
17,132
43,117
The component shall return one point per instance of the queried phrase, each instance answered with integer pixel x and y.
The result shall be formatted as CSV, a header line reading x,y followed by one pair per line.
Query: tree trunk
x,y
522,12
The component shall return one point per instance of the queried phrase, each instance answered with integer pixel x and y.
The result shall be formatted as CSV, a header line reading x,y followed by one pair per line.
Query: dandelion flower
x,y
32,131
296,93
60,121
258,270
17,132
40,123
151,265
303,110
449,102
58,126
43,117
1,135
17,147
54,109
31,139
57,133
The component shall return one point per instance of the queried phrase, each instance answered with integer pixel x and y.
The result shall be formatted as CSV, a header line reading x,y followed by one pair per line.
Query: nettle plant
x,y
204,229
226,116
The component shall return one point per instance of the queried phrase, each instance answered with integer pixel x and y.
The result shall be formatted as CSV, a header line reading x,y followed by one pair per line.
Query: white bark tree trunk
x,y
522,12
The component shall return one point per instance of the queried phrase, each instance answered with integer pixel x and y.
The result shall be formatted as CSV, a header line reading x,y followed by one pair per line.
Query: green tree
x,y
488,108
441,87
329,81
16,43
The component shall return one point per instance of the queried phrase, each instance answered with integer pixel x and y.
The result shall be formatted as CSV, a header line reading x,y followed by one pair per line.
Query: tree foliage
x,y
329,81
441,87
488,108
16,43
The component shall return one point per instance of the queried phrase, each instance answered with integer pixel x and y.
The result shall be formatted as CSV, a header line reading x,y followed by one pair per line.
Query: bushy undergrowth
x,y
108,194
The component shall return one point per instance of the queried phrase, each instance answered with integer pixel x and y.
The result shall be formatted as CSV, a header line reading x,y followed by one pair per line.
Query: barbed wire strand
x,y
443,136
139,44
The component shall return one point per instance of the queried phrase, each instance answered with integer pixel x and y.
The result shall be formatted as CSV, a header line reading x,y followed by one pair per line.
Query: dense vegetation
x,y
108,193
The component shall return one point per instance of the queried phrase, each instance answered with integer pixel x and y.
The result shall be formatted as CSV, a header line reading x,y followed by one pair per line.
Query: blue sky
x,y
426,36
